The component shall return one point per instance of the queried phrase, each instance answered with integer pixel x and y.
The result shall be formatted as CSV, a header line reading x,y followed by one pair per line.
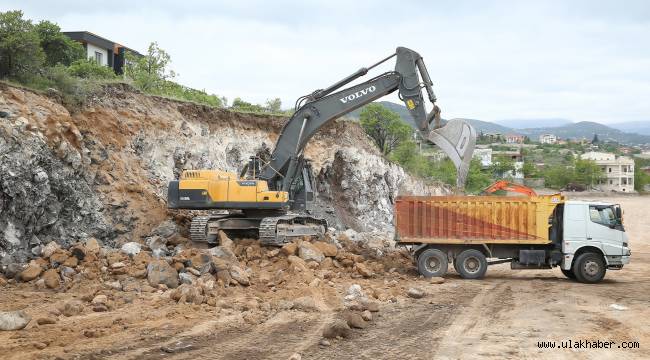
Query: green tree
x,y
21,55
587,173
529,170
501,166
384,126
641,179
58,48
274,105
477,178
595,139
150,72
241,105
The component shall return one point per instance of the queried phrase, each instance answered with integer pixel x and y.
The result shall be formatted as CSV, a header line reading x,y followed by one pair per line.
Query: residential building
x,y
514,139
105,52
485,155
518,162
548,139
618,171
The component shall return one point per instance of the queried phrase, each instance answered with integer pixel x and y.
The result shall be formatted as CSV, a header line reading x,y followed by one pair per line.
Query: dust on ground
x,y
276,316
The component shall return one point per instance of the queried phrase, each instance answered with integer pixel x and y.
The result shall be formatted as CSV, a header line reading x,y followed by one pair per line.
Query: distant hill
x,y
587,129
526,123
638,127
639,132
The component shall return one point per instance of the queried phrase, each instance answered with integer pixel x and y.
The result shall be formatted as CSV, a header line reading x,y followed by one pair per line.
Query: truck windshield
x,y
605,215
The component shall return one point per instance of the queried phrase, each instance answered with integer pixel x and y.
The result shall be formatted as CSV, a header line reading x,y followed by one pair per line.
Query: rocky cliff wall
x,y
102,170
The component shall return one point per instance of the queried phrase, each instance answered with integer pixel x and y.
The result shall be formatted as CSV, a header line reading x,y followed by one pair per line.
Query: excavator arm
x,y
508,186
313,111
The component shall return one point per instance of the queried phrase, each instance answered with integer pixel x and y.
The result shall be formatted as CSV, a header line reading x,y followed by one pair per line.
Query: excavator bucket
x,y
457,139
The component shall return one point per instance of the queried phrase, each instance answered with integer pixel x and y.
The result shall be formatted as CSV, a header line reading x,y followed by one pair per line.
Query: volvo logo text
x,y
358,94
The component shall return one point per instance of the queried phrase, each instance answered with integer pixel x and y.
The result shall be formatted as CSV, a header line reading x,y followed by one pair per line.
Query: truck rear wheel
x,y
432,263
569,273
589,268
471,264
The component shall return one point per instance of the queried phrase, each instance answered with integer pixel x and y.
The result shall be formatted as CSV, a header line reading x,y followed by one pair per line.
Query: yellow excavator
x,y
273,196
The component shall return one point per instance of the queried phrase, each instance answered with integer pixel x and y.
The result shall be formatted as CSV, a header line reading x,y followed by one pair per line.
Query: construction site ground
x,y
504,315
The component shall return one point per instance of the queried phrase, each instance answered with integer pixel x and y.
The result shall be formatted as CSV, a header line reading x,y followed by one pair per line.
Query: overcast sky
x,y
489,60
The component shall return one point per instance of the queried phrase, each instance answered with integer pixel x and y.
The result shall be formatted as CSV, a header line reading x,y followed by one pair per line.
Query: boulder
x,y
58,257
326,248
354,320
239,275
415,293
160,272
289,249
14,320
49,249
305,303
309,252
437,280
51,278
92,245
366,315
224,240
72,308
297,263
31,272
131,248
186,278
335,329
363,270
48,320
100,300
223,253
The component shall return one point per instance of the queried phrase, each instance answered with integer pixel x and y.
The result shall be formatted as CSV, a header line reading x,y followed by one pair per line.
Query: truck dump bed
x,y
474,219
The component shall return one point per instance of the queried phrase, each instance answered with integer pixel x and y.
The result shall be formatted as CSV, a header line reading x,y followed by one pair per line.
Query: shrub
x,y
90,69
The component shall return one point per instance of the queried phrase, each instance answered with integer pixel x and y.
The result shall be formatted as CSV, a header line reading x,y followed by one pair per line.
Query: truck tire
x,y
589,268
432,263
471,264
569,273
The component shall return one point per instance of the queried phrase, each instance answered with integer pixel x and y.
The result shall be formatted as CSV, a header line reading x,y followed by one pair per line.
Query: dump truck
x,y
583,238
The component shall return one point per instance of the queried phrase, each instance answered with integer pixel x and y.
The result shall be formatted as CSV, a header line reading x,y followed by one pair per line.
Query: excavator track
x,y
198,228
273,230
278,230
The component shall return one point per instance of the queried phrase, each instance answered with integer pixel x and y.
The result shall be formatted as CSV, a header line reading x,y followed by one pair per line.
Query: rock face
x,y
367,184
160,272
14,320
102,172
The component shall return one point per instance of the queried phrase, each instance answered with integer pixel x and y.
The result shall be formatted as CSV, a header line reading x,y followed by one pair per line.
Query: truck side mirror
x,y
619,214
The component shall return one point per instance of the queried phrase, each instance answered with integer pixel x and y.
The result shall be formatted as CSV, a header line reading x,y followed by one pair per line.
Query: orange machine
x,y
508,186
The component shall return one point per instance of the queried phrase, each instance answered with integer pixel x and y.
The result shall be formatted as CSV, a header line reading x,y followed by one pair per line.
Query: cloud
x,y
491,60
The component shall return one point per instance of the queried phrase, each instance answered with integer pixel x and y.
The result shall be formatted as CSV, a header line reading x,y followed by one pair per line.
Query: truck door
x,y
575,227
603,230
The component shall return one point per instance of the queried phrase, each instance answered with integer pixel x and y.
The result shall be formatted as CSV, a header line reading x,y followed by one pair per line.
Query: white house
x,y
618,171
105,52
485,155
548,139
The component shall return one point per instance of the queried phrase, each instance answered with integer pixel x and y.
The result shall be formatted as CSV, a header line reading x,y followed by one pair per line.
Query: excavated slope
x,y
102,171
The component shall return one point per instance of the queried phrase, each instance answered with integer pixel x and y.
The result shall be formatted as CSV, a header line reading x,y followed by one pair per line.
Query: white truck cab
x,y
593,239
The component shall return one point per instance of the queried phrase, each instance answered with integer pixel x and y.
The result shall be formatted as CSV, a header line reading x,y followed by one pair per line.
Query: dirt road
x,y
504,315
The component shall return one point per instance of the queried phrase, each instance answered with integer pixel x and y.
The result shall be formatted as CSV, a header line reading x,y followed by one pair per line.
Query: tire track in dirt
x,y
469,328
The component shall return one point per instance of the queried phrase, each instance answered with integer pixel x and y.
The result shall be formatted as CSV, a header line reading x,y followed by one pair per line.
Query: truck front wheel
x,y
471,264
589,268
569,273
432,263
